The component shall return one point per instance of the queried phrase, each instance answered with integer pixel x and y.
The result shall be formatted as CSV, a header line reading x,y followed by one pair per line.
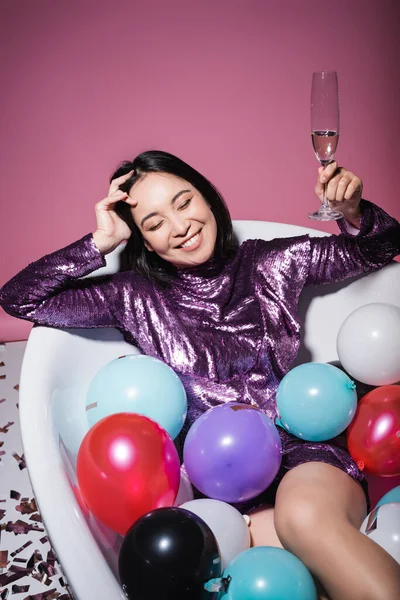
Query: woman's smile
x,y
193,242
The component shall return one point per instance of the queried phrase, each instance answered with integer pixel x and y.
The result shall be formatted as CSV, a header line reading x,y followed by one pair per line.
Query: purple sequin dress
x,y
229,330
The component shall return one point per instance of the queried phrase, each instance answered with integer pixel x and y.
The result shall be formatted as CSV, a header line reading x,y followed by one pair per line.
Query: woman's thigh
x,y
313,496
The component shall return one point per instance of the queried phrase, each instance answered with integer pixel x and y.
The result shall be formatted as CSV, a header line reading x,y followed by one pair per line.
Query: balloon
x,y
232,452
227,524
382,525
265,572
127,465
316,401
139,384
390,497
368,344
373,438
185,492
361,388
168,554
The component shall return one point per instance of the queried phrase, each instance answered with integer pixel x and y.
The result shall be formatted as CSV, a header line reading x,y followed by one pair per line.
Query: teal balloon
x,y
316,401
391,496
266,573
139,384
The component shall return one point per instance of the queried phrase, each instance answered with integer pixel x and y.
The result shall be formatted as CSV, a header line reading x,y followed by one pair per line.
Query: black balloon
x,y
361,388
168,554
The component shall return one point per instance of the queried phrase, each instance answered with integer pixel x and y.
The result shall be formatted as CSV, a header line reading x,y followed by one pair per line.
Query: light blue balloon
x,y
139,384
266,573
316,401
391,496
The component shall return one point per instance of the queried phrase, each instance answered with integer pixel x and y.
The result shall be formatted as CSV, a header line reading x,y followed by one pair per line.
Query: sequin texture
x,y
230,331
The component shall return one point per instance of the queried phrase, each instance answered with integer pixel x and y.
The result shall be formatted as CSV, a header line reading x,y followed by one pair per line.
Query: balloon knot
x,y
351,385
219,584
360,465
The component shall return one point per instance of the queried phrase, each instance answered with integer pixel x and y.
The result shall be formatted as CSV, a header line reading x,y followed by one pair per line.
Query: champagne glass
x,y
325,130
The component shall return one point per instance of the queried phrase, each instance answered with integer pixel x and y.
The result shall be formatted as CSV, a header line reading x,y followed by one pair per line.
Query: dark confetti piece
x,y
2,452
44,539
27,507
2,514
19,589
47,568
9,577
21,548
2,364
2,376
42,578
35,558
36,517
20,560
6,427
18,527
4,595
3,558
16,387
20,460
16,569
51,557
2,400
15,495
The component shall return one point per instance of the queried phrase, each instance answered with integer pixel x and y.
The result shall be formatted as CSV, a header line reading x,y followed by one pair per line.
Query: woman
x,y
224,318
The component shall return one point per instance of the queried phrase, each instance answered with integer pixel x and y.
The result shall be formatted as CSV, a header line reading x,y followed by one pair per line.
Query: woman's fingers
x,y
340,185
354,188
328,172
336,187
111,200
114,186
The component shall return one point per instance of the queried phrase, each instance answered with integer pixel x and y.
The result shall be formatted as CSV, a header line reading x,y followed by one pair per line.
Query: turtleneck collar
x,y
207,270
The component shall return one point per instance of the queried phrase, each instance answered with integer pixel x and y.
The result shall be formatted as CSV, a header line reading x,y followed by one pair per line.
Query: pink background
x,y
225,85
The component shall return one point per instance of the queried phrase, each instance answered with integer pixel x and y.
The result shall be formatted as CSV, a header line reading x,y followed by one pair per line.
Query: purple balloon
x,y
232,452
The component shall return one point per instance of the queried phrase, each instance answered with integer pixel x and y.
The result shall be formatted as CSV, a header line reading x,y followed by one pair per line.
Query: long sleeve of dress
x,y
49,291
335,258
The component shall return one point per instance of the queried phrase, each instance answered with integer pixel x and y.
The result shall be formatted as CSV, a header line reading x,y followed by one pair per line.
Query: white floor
x,y
28,566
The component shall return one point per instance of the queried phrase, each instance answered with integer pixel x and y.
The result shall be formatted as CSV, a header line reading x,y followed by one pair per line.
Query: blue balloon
x,y
265,572
139,384
316,401
391,496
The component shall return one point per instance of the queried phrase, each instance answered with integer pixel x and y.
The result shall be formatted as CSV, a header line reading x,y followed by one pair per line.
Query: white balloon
x,y
383,526
368,344
185,492
228,525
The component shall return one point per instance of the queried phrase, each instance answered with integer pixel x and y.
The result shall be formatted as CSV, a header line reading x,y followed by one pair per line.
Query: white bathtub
x,y
57,368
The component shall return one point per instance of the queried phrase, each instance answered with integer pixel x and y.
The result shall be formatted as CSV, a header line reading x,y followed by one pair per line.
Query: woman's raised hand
x,y
343,190
111,229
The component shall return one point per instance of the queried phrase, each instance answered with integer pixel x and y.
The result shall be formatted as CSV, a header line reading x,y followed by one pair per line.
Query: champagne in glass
x,y
325,130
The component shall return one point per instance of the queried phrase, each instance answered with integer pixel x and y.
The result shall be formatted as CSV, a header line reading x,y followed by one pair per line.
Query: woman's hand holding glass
x,y
343,191
111,229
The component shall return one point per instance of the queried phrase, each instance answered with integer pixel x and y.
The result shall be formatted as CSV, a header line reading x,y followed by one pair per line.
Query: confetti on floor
x,y
29,569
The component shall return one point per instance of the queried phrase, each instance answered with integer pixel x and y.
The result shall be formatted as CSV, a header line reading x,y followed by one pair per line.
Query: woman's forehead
x,y
156,189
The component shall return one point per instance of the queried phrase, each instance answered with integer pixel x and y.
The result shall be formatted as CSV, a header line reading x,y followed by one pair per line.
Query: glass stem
x,y
325,204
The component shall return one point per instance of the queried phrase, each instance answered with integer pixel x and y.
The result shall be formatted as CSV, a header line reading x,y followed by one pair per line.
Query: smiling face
x,y
174,219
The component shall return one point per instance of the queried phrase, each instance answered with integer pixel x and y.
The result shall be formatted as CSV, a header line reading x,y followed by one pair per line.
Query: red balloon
x,y
127,466
373,437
